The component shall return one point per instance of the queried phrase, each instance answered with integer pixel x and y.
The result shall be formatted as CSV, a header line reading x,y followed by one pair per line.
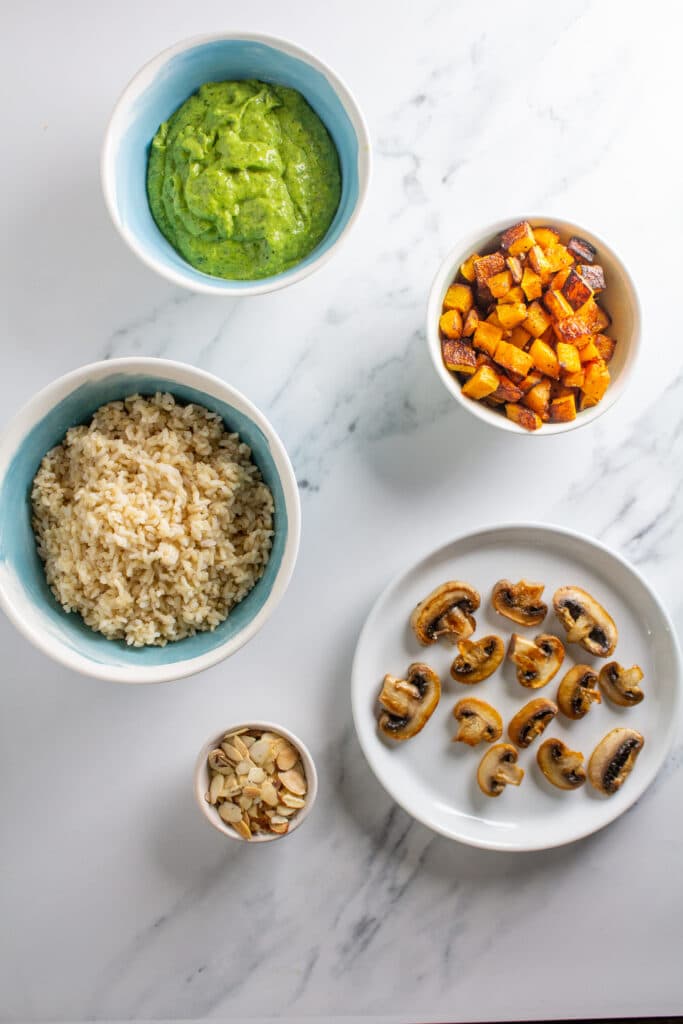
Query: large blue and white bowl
x,y
164,84
24,594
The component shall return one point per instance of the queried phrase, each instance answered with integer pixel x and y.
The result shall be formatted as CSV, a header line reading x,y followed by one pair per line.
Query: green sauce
x,y
243,180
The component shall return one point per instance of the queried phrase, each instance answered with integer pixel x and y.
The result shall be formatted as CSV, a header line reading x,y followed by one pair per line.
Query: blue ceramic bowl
x,y
24,594
164,84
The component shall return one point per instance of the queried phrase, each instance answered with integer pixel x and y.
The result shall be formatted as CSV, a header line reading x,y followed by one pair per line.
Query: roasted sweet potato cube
x,y
605,347
450,324
589,352
592,316
544,359
519,336
459,296
546,237
557,305
582,340
575,291
573,380
514,295
517,239
487,266
532,285
512,358
499,284
563,409
572,328
511,314
537,320
594,276
459,357
514,265
492,318
467,268
549,335
526,418
581,249
596,381
568,357
507,390
538,262
482,383
530,381
557,283
558,258
538,398
486,337
470,324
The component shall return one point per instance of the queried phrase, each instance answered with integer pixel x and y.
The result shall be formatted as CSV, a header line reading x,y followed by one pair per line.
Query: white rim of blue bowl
x,y
258,287
445,275
12,436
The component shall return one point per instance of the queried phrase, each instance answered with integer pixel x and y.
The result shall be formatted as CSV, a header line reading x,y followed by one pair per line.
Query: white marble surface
x,y
116,900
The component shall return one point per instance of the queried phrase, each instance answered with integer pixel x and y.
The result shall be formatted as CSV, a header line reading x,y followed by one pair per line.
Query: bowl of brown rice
x,y
149,520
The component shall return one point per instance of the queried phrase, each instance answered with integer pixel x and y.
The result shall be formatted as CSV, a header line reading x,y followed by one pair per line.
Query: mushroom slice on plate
x,y
408,704
577,691
613,758
520,602
537,661
478,722
531,720
446,612
498,768
478,659
561,766
620,685
587,623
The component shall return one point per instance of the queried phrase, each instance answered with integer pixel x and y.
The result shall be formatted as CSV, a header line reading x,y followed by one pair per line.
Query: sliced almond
x,y
232,752
295,802
215,788
242,828
256,774
243,768
286,812
236,732
248,740
294,781
244,802
286,758
269,794
252,791
230,813
239,745
259,751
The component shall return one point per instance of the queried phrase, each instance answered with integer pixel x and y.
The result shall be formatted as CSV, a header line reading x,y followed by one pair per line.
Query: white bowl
x,y
201,782
24,594
620,301
162,85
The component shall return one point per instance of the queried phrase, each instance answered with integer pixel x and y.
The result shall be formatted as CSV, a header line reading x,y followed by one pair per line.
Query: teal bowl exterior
x,y
24,593
164,84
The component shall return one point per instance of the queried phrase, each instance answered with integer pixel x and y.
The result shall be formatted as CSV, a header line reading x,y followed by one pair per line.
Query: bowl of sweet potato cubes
x,y
533,325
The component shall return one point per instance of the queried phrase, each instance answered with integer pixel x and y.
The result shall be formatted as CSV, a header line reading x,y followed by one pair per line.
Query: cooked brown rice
x,y
152,521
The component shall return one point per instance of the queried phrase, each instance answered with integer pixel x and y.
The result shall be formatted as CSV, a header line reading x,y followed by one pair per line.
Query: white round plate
x,y
434,779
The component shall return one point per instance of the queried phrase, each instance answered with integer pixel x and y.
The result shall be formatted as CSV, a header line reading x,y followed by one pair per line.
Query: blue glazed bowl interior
x,y
179,78
17,543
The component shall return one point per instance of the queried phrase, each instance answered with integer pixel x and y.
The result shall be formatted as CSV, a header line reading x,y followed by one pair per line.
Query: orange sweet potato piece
x,y
596,381
546,236
459,296
484,382
581,249
531,284
537,320
530,381
471,323
486,337
492,318
487,266
450,324
576,291
563,409
589,353
526,418
557,283
510,314
517,239
514,295
459,357
605,347
514,265
568,357
513,359
557,305
539,263
557,258
538,398
467,268
574,380
519,336
544,359
594,276
507,390
500,284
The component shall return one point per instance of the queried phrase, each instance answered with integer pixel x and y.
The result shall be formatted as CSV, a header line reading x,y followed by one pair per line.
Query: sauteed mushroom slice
x,y
620,685
577,691
478,659
561,766
446,612
520,602
408,704
587,623
613,759
498,768
478,722
531,720
537,661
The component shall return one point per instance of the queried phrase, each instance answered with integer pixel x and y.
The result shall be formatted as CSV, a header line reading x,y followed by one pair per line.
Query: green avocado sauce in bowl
x,y
243,179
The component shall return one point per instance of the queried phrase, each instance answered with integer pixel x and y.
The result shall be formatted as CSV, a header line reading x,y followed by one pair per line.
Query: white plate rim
x,y
357,692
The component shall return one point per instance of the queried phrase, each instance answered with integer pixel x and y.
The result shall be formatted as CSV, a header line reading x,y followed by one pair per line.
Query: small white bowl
x,y
620,301
201,782
24,594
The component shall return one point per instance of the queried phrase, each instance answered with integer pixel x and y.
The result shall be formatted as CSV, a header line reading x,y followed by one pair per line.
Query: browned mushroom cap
x,y
520,602
613,758
587,623
447,612
498,768
620,685
537,661
408,704
531,720
561,766
577,691
478,659
479,722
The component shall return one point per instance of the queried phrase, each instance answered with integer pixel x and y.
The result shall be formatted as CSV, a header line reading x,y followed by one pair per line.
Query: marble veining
x,y
118,903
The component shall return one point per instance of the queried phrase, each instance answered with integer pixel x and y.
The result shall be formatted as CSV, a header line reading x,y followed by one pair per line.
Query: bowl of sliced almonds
x,y
255,782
